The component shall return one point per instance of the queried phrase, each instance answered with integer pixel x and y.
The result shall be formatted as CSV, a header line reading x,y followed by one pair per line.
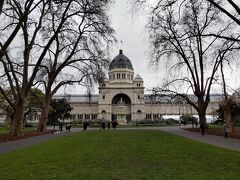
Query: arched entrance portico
x,y
121,108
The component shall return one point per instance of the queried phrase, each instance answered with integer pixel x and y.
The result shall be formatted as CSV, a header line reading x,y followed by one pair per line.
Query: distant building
x,y
121,97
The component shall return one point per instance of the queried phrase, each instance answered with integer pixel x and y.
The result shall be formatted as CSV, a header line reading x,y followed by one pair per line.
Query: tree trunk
x,y
1,5
42,126
228,117
202,118
18,117
202,112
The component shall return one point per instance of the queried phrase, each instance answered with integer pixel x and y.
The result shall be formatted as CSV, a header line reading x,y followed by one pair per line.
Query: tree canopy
x,y
60,110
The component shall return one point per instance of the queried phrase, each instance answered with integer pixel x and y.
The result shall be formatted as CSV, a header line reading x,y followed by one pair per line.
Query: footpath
x,y
229,143
220,141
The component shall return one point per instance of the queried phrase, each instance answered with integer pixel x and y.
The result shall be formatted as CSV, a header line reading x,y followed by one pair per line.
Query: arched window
x,y
103,112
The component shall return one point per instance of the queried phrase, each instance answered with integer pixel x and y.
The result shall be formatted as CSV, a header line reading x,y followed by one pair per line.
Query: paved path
x,y
229,143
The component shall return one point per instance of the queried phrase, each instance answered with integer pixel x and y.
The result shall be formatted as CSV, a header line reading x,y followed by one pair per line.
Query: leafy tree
x,y
5,109
60,109
186,118
34,104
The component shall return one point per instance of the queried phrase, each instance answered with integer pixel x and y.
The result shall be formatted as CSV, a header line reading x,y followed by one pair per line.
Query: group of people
x,y
85,125
104,124
68,126
108,124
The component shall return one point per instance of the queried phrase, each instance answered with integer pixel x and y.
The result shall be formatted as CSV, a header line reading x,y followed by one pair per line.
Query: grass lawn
x,y
236,127
121,154
4,130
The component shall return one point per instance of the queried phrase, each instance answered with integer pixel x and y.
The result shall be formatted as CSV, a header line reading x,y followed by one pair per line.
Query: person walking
x,y
85,125
225,130
114,124
108,125
68,127
103,125
60,126
202,127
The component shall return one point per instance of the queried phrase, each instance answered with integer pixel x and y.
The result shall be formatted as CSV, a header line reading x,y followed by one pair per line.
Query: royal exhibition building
x,y
121,97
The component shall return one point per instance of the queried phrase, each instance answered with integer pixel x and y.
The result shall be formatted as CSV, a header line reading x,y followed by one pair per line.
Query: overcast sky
x,y
132,32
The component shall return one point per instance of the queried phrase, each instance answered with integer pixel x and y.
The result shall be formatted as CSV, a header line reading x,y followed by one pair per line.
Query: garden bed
x,y
27,134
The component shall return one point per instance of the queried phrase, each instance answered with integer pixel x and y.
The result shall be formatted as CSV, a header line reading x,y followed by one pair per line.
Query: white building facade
x,y
121,97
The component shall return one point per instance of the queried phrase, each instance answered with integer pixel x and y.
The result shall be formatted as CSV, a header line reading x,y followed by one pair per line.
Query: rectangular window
x,y
113,76
94,116
123,76
131,77
80,116
118,76
103,97
128,76
155,116
148,116
87,116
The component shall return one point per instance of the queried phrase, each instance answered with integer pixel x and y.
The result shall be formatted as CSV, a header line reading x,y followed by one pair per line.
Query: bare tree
x,y
17,13
1,5
77,53
223,6
178,35
228,102
34,43
235,15
228,7
17,70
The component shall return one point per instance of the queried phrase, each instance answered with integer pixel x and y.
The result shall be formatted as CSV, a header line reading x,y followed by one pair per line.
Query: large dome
x,y
120,61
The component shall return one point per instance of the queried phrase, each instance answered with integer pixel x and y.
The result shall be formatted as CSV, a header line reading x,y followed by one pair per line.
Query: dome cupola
x,y
138,78
121,70
120,61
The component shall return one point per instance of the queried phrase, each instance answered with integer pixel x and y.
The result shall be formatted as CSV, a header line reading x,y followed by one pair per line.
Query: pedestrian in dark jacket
x,y
114,124
202,127
85,125
225,129
103,125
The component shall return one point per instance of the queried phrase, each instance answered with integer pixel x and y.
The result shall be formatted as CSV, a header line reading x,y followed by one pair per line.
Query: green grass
x,y
4,130
121,154
221,126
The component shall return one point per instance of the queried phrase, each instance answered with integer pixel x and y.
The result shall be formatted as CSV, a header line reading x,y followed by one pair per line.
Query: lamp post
x,y
179,115
212,113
